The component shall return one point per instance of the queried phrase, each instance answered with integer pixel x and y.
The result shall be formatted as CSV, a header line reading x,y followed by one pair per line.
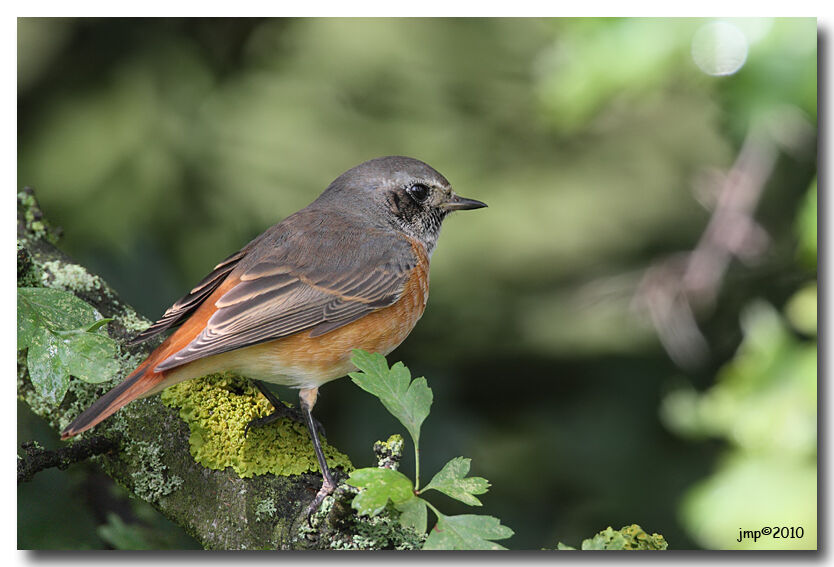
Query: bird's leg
x,y
281,410
307,398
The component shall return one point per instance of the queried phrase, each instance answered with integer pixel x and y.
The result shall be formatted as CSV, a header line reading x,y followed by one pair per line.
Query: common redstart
x,y
349,271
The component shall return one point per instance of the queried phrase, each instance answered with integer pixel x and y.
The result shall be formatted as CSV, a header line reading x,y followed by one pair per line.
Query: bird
x,y
349,271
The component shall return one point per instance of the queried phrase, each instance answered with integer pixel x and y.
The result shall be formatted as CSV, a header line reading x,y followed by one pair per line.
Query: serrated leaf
x,y
414,514
467,531
378,486
409,401
89,356
452,481
48,374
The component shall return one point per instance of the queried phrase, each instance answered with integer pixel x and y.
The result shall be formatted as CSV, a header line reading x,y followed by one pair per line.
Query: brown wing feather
x,y
187,304
283,290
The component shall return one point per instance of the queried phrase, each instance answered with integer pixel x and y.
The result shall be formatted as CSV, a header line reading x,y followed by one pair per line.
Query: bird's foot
x,y
327,488
281,411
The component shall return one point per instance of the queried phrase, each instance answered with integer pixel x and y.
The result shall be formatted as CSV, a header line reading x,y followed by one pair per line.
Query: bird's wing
x,y
312,278
186,305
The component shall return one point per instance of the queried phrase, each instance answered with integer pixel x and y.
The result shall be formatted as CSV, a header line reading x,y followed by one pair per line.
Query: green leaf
x,y
64,337
27,323
378,486
413,514
55,308
89,356
467,531
123,536
409,401
48,374
452,481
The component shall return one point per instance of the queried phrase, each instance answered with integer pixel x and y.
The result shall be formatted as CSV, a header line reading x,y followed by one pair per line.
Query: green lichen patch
x,y
150,479
265,509
69,276
30,213
132,321
389,453
628,538
636,538
379,532
217,409
333,527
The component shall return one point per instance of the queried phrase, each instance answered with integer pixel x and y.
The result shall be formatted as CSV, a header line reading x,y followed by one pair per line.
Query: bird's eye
x,y
419,192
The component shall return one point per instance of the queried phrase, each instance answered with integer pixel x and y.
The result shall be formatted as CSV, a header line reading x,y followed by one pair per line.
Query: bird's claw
x,y
326,490
292,413
261,421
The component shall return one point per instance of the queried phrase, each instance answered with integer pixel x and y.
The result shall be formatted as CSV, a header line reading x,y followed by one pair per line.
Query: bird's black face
x,y
420,205
413,206
418,198
409,194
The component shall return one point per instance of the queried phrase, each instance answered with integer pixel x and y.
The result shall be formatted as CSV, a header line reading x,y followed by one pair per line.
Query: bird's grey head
x,y
401,192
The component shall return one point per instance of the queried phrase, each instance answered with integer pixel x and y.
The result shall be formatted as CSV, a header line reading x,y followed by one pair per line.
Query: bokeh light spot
x,y
719,48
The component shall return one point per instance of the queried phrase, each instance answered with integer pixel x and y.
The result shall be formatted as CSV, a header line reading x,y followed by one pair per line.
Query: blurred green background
x,y
601,146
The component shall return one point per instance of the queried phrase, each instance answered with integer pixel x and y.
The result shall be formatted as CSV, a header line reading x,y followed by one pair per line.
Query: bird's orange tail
x,y
140,382
145,381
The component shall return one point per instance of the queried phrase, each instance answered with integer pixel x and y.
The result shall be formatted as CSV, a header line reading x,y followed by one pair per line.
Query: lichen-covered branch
x,y
255,499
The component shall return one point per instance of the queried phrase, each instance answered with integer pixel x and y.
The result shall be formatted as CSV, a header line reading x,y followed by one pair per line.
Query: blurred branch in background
x,y
674,290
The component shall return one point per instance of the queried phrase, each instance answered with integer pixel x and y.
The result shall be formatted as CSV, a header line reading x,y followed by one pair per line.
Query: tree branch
x,y
37,458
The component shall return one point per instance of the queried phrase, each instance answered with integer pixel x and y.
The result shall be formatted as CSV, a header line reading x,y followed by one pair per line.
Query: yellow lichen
x,y
217,409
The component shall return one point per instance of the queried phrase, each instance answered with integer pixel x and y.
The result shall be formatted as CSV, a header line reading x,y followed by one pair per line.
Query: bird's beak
x,y
458,203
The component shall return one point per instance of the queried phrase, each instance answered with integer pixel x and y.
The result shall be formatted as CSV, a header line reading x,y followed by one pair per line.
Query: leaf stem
x,y
416,466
